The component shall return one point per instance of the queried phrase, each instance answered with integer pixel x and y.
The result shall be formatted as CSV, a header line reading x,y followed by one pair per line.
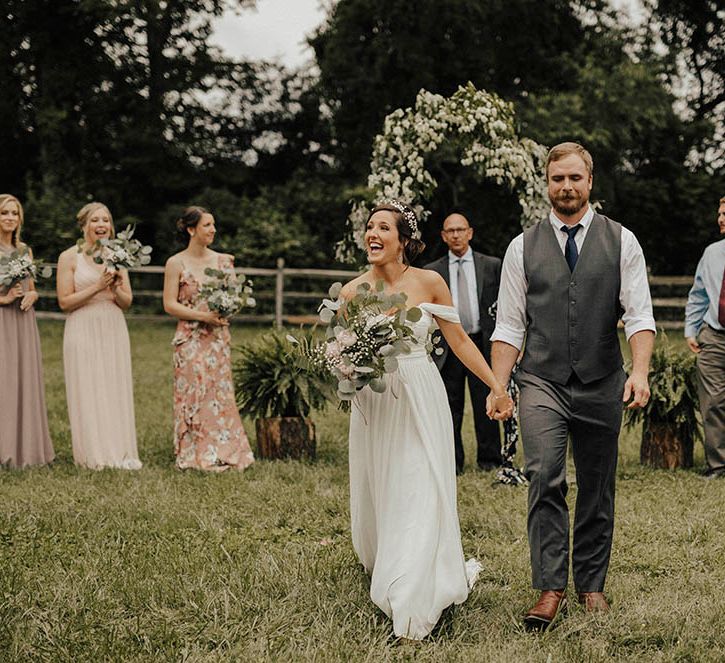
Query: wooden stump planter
x,y
286,437
665,447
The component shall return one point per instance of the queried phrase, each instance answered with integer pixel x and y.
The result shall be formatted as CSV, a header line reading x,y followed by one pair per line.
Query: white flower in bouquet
x,y
364,337
121,252
19,266
226,293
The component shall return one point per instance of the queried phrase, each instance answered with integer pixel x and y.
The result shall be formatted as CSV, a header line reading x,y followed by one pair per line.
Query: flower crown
x,y
408,215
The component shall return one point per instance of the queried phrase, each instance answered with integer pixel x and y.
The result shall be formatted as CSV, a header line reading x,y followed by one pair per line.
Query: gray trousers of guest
x,y
591,414
711,388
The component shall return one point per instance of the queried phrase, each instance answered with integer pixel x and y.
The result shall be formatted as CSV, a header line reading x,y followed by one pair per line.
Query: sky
x,y
275,30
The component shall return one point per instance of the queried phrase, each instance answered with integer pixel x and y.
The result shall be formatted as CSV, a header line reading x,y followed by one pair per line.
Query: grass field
x,y
160,565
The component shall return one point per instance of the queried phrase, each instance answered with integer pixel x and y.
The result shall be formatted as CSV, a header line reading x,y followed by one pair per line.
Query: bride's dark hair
x,y
412,246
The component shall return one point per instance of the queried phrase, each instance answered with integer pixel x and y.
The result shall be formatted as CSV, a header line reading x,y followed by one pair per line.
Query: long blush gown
x,y
405,526
208,432
24,436
98,379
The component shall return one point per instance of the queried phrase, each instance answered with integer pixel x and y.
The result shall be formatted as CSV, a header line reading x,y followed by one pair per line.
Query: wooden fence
x,y
669,295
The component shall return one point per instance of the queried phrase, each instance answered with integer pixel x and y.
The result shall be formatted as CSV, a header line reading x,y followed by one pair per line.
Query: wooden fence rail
x,y
669,309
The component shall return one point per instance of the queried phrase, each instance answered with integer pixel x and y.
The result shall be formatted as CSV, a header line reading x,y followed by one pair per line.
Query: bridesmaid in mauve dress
x,y
24,436
97,352
208,432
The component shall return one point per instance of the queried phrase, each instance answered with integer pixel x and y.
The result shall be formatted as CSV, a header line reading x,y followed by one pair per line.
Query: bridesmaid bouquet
x,y
19,266
364,337
226,293
120,252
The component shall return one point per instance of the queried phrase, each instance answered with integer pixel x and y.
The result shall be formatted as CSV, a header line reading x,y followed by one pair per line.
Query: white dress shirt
x,y
469,269
634,293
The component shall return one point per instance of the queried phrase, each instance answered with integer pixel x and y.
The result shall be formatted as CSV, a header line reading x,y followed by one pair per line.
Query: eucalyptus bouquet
x,y
364,337
121,252
226,293
19,266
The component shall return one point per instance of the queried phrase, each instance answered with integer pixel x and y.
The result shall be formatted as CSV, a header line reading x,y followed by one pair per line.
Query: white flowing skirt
x,y
405,526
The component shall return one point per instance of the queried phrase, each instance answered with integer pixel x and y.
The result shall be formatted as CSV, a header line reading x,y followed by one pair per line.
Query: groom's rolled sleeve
x,y
511,308
634,294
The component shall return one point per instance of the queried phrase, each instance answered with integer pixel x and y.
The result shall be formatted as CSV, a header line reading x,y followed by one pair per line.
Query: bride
x,y
402,468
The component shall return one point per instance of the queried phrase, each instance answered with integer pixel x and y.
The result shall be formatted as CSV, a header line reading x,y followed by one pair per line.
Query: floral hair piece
x,y
408,215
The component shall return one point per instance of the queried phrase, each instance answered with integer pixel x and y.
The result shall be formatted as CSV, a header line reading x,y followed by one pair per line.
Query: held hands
x,y
499,406
637,388
693,344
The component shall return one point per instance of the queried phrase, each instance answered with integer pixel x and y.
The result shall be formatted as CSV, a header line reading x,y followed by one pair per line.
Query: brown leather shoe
x,y
593,601
550,604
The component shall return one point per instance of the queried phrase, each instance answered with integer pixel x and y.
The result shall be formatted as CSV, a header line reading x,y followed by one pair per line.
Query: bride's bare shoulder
x,y
350,288
427,276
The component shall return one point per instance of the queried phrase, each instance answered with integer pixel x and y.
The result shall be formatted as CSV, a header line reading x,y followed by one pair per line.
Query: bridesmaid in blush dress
x,y
208,432
97,352
24,436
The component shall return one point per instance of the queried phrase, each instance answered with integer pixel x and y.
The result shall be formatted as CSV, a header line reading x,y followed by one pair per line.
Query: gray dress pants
x,y
591,414
711,388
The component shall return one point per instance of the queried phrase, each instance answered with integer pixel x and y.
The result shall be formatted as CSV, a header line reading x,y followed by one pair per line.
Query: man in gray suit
x,y
565,283
473,279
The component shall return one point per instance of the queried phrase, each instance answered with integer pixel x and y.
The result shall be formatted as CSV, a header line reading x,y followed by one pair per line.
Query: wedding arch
x,y
479,126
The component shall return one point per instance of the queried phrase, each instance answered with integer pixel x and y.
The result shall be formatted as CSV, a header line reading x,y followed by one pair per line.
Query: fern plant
x,y
674,400
272,378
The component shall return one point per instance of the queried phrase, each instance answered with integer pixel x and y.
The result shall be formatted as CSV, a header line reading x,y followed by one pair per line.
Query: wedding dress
x,y
403,491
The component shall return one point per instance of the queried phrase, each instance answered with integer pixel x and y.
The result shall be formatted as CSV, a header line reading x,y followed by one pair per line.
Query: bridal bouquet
x,y
19,266
364,337
226,293
120,252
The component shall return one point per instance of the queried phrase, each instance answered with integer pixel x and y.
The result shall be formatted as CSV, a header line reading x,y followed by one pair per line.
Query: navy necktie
x,y
571,253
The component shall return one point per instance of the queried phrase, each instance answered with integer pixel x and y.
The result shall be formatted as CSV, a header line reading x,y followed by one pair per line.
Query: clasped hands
x,y
499,407
27,297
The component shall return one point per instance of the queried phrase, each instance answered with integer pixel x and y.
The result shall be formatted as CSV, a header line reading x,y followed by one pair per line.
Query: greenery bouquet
x,y
363,338
19,266
120,252
226,293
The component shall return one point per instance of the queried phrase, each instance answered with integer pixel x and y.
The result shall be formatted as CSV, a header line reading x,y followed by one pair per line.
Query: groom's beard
x,y
568,204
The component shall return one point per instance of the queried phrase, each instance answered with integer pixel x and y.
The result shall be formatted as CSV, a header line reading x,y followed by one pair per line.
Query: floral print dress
x,y
208,432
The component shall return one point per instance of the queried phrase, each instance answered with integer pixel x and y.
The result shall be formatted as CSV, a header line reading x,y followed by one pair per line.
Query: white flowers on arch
x,y
479,125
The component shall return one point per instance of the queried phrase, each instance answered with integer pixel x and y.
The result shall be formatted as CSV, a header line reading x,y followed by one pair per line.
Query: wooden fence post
x,y
279,293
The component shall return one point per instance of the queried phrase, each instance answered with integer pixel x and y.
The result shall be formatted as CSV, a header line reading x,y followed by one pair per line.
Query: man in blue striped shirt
x,y
705,335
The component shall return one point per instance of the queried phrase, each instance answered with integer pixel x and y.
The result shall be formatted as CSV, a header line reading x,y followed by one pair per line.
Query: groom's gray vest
x,y
572,316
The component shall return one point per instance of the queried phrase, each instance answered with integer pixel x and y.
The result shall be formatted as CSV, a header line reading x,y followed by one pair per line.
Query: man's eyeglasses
x,y
456,231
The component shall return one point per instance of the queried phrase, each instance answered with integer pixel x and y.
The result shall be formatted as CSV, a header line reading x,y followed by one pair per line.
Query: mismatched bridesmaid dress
x,y
98,379
208,432
24,436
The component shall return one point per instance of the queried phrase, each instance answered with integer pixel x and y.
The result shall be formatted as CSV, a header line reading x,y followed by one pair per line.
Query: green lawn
x,y
161,565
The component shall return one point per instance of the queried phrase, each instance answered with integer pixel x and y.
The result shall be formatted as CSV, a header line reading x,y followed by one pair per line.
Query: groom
x,y
564,285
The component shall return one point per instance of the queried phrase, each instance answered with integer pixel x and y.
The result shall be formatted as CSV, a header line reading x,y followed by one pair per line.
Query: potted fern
x,y
669,420
276,387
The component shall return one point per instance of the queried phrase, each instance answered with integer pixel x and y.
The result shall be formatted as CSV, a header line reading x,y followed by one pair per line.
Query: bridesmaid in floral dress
x,y
208,432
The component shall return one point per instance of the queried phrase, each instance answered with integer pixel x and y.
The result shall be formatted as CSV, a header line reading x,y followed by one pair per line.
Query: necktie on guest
x,y
464,302
721,303
571,253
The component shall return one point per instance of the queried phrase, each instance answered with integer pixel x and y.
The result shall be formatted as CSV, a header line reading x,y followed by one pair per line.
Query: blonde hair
x,y
88,210
9,198
564,150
